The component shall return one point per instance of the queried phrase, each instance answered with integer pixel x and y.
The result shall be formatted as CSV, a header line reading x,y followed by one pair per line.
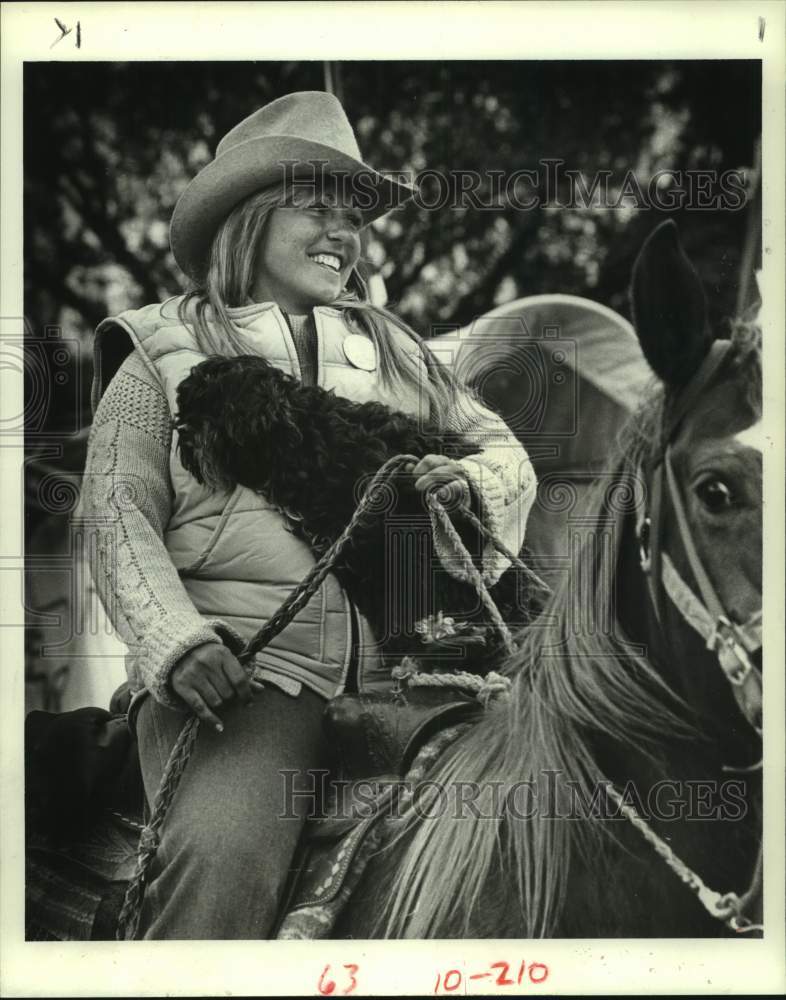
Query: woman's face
x,y
308,250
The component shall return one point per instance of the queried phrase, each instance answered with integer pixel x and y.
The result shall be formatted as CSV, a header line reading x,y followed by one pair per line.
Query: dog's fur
x,y
310,452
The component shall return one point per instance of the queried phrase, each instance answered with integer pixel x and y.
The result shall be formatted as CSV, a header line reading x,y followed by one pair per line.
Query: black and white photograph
x,y
393,503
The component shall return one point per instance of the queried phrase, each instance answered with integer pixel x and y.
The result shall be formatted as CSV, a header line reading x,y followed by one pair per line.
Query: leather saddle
x,y
377,734
85,802
79,765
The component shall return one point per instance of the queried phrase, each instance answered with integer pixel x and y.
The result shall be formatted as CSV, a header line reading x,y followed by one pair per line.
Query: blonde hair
x,y
232,269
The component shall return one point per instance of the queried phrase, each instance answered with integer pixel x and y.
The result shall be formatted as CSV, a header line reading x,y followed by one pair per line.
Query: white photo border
x,y
345,31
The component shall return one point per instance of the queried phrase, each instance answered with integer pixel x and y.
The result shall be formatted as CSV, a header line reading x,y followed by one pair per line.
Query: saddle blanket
x,y
75,893
333,868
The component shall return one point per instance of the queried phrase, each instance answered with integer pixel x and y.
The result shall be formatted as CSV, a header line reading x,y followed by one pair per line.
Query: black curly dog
x,y
310,452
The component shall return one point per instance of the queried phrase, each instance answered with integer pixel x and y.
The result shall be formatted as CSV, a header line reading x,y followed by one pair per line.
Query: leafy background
x,y
109,147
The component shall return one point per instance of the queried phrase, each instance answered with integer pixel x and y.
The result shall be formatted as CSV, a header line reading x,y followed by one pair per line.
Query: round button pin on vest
x,y
360,352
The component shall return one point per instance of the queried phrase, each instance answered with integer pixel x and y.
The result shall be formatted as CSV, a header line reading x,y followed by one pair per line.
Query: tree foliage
x,y
108,148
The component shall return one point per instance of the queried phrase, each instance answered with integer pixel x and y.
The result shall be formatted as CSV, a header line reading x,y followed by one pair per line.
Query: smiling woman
x,y
192,572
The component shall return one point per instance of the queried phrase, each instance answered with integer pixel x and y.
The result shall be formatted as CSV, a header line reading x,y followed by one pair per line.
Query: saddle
x,y
85,802
378,734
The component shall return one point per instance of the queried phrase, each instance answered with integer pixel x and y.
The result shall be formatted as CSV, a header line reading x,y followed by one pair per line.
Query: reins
x,y
493,685
728,906
733,643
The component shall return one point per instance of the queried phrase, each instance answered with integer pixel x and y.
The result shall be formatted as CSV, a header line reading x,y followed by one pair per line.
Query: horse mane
x,y
570,686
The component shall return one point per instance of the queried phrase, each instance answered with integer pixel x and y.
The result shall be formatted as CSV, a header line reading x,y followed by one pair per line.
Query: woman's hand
x,y
207,677
444,475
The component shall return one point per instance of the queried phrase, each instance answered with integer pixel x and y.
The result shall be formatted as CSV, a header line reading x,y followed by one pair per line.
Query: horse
x,y
630,741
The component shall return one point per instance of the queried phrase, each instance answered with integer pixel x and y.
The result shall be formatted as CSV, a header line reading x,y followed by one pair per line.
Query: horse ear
x,y
669,308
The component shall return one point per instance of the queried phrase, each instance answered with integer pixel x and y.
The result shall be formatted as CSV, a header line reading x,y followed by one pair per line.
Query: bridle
x,y
732,642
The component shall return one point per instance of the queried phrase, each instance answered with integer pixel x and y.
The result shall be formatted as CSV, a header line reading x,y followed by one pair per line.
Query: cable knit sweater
x,y
130,446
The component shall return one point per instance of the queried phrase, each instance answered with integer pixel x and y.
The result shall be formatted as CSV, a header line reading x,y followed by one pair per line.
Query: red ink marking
x,y
353,970
457,982
325,987
502,978
452,979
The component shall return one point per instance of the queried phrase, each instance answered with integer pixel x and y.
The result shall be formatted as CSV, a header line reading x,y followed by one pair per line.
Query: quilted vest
x,y
233,551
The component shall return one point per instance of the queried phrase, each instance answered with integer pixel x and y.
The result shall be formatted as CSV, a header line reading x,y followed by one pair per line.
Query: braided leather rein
x,y
128,921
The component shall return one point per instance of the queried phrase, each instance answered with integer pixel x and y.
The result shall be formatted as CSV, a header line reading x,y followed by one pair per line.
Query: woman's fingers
x,y
237,678
434,469
209,693
207,677
196,703
447,478
427,463
433,480
214,675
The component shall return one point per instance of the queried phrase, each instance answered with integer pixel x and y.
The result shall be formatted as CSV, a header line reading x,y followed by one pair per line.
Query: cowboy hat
x,y
305,134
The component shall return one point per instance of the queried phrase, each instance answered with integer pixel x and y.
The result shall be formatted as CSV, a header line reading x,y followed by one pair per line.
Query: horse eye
x,y
715,495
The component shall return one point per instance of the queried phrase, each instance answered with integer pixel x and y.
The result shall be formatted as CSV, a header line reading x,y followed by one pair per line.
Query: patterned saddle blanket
x,y
337,851
85,807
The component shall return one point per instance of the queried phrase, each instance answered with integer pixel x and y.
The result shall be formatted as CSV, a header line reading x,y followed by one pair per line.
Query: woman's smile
x,y
328,260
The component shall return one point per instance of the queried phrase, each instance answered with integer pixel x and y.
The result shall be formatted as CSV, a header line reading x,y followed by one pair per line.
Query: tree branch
x,y
477,301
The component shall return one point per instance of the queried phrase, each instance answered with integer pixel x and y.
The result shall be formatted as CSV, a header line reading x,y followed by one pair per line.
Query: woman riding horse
x,y
189,573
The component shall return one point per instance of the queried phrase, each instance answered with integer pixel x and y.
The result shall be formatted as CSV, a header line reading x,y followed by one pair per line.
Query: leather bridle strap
x,y
650,548
690,392
709,595
651,559
731,642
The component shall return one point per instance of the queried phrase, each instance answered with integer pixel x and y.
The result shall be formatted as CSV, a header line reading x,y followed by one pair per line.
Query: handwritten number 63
x,y
326,985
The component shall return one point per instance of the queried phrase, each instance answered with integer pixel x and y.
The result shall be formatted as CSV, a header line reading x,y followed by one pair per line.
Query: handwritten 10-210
x,y
498,973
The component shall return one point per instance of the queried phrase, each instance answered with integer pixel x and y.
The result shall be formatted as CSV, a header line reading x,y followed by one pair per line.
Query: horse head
x,y
701,537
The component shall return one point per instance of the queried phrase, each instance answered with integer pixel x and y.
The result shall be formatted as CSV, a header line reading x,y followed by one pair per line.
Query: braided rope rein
x,y
519,563
128,921
473,573
485,688
492,685
726,907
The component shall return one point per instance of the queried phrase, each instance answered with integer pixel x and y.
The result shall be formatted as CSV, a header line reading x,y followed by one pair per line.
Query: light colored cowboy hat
x,y
305,135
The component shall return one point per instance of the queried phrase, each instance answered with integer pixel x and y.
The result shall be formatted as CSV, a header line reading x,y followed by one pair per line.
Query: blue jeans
x,y
229,838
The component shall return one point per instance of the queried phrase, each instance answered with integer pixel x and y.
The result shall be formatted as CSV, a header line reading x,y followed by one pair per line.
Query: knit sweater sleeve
x,y
502,479
125,502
